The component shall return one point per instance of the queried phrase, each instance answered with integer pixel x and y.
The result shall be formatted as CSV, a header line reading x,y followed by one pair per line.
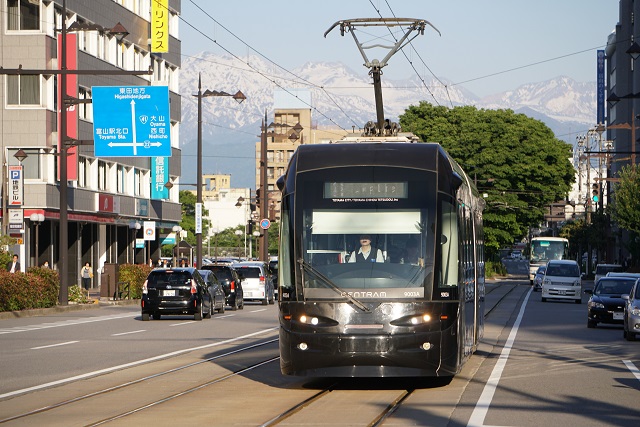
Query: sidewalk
x,y
94,294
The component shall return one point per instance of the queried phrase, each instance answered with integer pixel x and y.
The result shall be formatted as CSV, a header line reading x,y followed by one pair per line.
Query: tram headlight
x,y
309,320
412,320
303,346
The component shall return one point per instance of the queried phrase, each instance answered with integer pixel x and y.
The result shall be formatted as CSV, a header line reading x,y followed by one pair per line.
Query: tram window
x,y
449,246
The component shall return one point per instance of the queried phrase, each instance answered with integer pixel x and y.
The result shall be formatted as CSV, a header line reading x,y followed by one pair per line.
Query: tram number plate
x,y
171,293
364,345
618,315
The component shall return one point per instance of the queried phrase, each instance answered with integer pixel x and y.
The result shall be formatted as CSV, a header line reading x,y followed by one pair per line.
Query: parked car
x,y
606,304
631,321
231,284
175,291
273,269
215,290
256,281
537,279
603,269
562,280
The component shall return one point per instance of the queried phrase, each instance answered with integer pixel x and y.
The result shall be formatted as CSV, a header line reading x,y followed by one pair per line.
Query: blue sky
x,y
481,40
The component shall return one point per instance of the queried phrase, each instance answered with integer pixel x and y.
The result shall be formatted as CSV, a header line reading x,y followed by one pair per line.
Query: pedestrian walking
x,y
87,274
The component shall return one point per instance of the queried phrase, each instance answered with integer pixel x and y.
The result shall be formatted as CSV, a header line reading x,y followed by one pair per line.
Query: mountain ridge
x,y
343,97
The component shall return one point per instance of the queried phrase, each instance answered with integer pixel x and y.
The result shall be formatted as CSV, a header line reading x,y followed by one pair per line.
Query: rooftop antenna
x,y
375,66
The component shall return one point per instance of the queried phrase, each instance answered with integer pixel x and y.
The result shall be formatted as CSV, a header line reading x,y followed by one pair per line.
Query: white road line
x,y
130,364
127,333
69,322
258,311
482,407
634,370
54,345
183,323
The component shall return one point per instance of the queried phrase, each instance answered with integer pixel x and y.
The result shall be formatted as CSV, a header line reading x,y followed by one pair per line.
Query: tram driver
x,y
366,253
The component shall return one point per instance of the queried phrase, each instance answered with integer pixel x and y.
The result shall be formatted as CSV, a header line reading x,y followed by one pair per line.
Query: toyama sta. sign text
x,y
131,121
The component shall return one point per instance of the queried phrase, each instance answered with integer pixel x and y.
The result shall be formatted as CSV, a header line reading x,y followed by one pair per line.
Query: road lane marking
x,y
53,345
130,364
258,311
62,323
482,407
183,323
634,370
127,333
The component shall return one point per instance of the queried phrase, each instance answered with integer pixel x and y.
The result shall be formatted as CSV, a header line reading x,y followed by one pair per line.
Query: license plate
x,y
618,315
561,292
171,293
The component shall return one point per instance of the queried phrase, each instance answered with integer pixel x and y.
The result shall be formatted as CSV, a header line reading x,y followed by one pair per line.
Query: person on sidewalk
x,y
87,274
14,265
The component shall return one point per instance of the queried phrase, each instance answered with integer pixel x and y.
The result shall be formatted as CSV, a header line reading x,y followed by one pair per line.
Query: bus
x,y
388,316
543,249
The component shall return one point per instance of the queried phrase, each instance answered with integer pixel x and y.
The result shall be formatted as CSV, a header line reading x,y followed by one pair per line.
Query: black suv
x,y
231,283
175,291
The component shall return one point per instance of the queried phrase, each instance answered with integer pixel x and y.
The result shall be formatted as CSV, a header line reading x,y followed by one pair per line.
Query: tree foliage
x,y
515,160
625,207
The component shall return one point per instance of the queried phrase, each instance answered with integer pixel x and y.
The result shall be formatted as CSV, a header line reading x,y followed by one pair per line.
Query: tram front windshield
x,y
368,232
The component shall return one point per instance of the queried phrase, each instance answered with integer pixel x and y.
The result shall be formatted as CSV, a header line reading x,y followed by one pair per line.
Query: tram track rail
x,y
147,378
386,397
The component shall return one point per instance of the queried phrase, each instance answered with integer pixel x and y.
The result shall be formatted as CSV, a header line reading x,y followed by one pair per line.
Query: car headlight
x,y
576,283
594,304
546,282
635,311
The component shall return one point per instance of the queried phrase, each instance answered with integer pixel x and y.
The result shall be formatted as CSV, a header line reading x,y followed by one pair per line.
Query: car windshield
x,y
563,270
221,272
249,272
614,287
604,269
168,277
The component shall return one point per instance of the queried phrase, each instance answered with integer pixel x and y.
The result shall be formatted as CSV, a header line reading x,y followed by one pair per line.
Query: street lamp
x,y
134,226
239,97
238,233
37,219
177,229
64,102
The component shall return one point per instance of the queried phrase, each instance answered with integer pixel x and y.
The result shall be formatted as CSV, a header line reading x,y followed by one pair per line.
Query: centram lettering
x,y
367,294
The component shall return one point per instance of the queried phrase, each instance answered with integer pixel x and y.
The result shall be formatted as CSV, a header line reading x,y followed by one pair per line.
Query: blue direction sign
x,y
131,121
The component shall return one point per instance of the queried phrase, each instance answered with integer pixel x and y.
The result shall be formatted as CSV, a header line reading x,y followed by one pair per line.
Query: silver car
x,y
256,281
537,279
631,322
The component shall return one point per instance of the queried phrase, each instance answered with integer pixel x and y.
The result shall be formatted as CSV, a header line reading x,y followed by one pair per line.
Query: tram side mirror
x,y
456,180
280,183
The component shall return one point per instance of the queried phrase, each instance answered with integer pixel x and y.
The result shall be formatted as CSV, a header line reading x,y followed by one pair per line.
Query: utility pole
x,y
264,239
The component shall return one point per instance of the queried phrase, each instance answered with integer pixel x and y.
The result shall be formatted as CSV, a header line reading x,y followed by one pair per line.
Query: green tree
x,y
625,206
515,160
188,223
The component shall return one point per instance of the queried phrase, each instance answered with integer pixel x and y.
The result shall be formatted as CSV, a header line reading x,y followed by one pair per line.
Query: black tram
x,y
400,313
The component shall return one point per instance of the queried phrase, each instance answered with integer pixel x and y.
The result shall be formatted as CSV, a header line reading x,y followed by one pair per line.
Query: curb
x,y
63,309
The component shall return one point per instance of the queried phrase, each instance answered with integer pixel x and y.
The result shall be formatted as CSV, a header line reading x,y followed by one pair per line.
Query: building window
x,y
102,175
23,15
137,182
23,90
121,179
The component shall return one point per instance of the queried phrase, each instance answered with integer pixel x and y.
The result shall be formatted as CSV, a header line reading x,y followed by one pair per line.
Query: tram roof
x,y
402,154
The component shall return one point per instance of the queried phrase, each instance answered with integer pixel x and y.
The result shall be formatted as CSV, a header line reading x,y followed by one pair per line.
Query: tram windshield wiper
x,y
325,280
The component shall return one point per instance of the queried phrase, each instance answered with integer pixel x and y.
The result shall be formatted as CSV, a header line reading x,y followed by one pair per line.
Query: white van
x,y
562,280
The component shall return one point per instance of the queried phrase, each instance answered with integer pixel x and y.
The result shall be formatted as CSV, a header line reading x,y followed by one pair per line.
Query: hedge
x,y
37,288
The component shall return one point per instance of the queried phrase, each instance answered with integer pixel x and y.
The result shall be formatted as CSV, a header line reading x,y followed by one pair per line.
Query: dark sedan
x,y
606,304
215,290
175,291
231,284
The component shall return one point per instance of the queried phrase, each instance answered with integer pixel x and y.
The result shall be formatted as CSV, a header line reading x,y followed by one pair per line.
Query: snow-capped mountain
x,y
339,97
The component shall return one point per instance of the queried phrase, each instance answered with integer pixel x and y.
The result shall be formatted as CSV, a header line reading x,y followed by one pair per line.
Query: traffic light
x,y
595,192
249,227
258,197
